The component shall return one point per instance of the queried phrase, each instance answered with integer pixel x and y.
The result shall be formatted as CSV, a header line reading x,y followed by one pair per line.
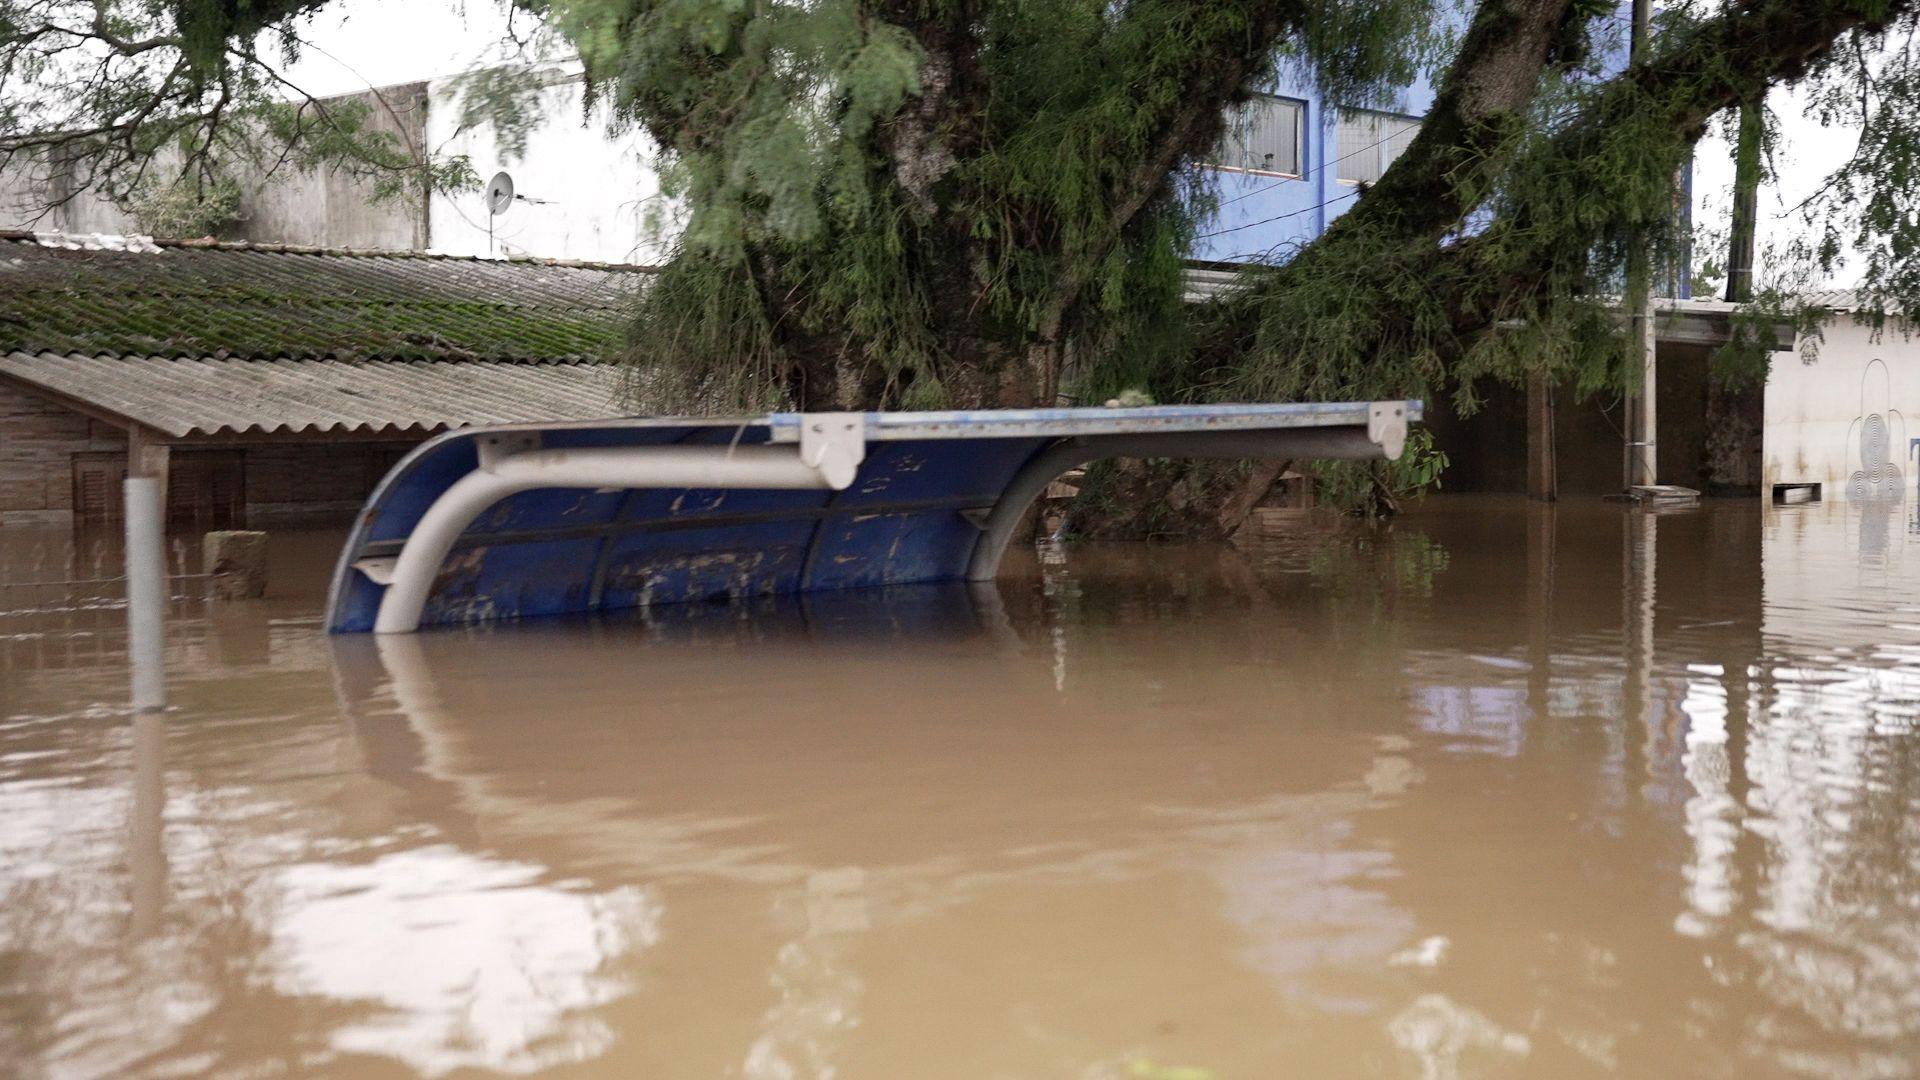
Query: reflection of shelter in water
x,y
899,769
742,720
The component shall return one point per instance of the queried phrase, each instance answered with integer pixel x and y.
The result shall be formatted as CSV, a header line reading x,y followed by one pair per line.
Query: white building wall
x,y
1840,413
595,191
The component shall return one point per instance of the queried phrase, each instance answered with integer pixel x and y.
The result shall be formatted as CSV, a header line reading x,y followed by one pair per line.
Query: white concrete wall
x,y
1840,413
596,190
321,208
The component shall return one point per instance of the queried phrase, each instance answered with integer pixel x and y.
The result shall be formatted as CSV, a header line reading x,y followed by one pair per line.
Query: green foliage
x,y
188,209
505,99
904,245
1378,488
1866,217
1155,498
152,102
1552,216
341,134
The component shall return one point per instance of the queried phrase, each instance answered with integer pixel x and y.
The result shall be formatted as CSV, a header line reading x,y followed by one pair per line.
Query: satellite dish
x,y
499,194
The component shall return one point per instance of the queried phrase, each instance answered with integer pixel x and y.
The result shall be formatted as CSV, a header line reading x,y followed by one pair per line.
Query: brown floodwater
x,y
1498,791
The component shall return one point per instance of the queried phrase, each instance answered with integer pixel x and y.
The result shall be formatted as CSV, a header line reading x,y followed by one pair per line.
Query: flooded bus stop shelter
x,y
550,519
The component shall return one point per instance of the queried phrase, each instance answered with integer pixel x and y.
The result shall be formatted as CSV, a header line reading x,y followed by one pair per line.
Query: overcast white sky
x,y
361,43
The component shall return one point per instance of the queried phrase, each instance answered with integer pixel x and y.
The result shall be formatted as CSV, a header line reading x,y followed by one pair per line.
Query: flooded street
x,y
1499,791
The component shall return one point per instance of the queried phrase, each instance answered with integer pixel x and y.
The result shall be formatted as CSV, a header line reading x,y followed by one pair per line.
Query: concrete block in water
x,y
236,565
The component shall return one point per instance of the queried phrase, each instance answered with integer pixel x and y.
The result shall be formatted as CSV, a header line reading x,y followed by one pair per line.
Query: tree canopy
x,y
919,203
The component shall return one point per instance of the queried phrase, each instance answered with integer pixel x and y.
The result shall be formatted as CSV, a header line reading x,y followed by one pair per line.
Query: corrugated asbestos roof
x,y
111,296
192,338
1844,300
183,397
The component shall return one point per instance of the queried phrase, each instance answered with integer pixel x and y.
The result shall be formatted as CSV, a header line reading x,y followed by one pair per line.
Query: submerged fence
x,y
63,595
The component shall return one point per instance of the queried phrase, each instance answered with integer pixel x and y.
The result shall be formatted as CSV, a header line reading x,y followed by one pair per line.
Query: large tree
x,y
986,202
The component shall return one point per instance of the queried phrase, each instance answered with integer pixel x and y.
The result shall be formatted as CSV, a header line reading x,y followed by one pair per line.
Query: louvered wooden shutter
x,y
96,488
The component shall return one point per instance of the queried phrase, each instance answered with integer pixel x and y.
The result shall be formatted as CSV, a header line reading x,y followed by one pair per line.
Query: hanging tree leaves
x,y
146,102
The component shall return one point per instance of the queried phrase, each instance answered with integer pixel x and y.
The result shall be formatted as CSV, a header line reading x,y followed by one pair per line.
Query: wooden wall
x,y
43,446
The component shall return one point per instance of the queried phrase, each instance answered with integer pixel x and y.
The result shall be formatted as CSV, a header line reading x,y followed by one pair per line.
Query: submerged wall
x,y
1709,434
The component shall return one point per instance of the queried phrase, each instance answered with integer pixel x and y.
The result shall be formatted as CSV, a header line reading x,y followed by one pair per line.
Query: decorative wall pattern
x,y
1874,475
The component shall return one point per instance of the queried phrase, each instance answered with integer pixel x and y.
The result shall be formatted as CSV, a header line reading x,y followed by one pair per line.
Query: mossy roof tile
x,y
247,302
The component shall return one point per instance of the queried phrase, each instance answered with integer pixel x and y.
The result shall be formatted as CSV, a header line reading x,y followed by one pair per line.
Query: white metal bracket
x,y
1387,427
835,444
378,568
499,446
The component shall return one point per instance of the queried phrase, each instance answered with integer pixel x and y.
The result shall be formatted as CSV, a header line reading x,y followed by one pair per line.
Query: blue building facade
x,y
1293,162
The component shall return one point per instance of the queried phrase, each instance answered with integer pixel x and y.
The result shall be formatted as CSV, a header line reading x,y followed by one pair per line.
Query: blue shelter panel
x,y
972,471
689,565
892,549
512,581
926,487
400,499
544,510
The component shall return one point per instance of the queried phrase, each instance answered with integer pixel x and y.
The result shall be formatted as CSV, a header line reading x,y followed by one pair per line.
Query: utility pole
x,y
1641,451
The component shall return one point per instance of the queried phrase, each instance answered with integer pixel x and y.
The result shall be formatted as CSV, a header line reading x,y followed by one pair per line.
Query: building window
x,y
1263,136
205,488
1368,142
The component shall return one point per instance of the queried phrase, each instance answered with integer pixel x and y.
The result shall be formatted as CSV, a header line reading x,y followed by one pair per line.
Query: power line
x,y
1280,217
1310,172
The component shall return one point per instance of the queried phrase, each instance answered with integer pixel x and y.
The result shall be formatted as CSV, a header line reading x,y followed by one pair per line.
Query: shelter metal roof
x,y
210,397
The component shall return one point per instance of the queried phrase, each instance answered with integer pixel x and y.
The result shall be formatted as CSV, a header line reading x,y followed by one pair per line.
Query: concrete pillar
x,y
146,592
236,565
1643,427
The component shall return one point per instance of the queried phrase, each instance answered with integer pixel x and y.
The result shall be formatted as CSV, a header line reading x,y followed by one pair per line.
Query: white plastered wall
x,y
1841,412
587,193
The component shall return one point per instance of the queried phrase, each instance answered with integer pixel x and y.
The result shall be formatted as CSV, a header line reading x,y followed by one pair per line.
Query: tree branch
x,y
1227,49
1395,241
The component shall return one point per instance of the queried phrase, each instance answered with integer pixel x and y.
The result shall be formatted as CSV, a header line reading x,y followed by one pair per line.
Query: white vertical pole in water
x,y
1642,426
146,593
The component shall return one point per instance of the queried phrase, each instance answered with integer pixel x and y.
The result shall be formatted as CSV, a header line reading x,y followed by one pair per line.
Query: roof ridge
x,y
116,242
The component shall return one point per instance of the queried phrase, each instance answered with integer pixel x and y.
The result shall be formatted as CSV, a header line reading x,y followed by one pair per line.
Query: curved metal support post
x,y
1377,440
1040,470
771,467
